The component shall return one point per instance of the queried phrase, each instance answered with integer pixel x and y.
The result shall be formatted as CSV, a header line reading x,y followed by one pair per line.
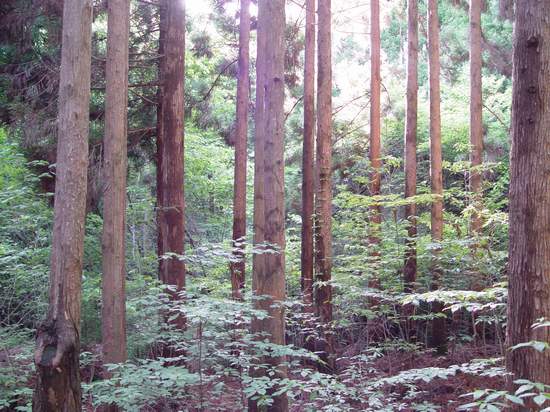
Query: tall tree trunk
x,y
375,146
438,338
308,158
323,200
529,254
409,270
170,123
58,344
239,195
113,309
269,274
476,114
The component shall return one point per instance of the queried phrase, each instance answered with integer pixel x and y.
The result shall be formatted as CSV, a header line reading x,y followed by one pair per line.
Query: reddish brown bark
x,y
308,159
268,279
375,155
170,135
323,200
476,115
239,196
438,338
57,352
113,309
409,270
529,252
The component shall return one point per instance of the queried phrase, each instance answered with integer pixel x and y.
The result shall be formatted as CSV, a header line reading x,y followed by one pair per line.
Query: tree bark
x,y
409,271
375,155
529,252
308,159
113,309
239,196
323,199
170,137
476,115
57,352
268,279
438,338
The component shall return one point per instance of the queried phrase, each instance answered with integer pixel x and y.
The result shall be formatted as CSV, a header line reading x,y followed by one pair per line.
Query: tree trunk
x,y
113,314
323,200
529,254
438,338
409,270
308,159
375,147
476,115
57,385
170,171
269,273
241,154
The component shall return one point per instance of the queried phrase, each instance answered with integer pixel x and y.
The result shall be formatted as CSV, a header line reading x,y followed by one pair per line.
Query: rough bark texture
x,y
375,146
323,199
308,159
170,122
438,338
529,254
113,313
241,154
476,114
409,270
269,277
58,345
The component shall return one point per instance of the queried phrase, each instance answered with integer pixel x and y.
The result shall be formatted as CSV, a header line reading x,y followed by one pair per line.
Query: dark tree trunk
x,y
113,308
323,199
58,345
409,271
308,159
476,115
170,136
269,219
438,338
241,154
375,154
529,254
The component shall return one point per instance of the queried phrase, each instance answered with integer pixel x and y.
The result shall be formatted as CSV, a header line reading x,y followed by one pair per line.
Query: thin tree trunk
x,y
269,276
476,115
113,309
438,338
529,253
57,352
409,270
170,136
323,199
308,159
239,195
375,146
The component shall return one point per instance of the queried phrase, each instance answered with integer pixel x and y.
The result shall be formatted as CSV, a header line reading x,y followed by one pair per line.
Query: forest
x,y
274,205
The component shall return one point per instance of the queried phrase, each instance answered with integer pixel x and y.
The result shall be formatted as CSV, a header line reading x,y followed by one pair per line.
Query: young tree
x,y
375,146
476,114
268,279
438,338
409,270
113,309
308,158
323,199
170,122
241,155
58,345
529,255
